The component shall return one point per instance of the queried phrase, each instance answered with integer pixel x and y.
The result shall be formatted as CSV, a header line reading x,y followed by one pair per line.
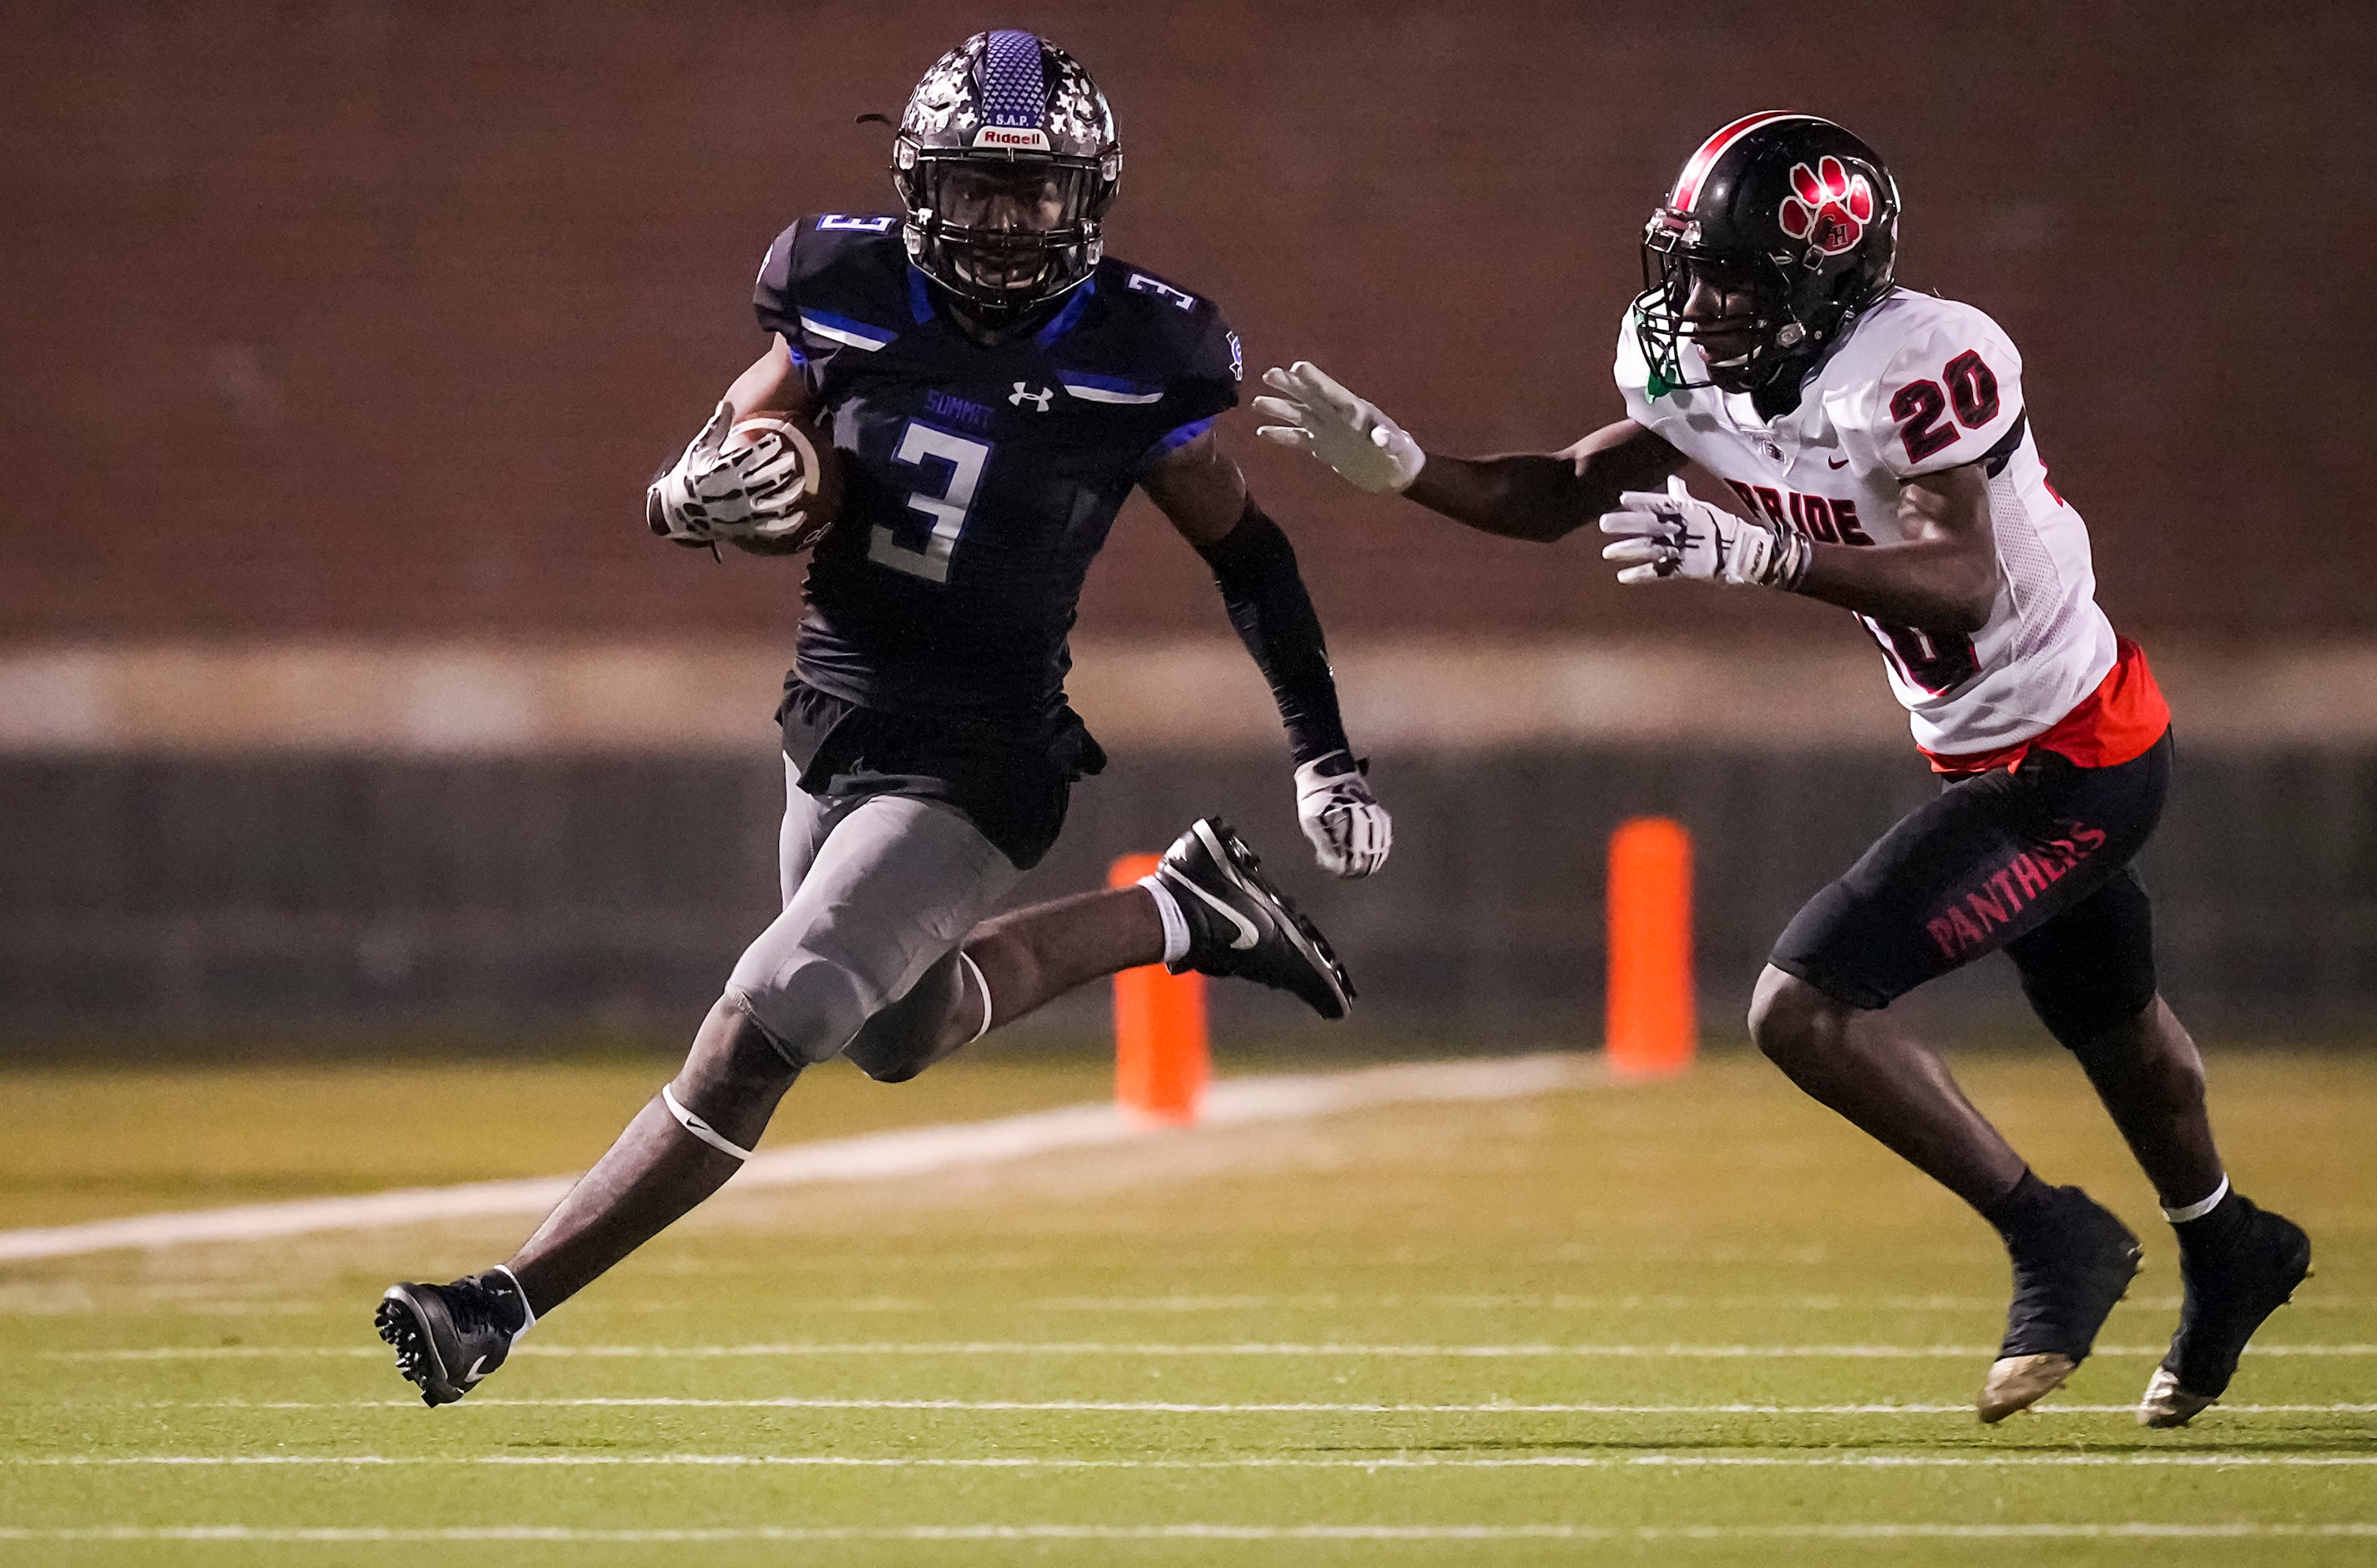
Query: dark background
x,y
346,321
373,317
245,902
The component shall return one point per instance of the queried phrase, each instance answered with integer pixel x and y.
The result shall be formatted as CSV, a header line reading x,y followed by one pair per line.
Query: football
x,y
815,466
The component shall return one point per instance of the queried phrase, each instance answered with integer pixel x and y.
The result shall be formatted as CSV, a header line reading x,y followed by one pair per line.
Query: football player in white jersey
x,y
1880,459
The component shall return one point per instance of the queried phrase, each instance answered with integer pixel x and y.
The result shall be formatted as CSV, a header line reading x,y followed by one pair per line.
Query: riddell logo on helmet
x,y
1829,207
1029,141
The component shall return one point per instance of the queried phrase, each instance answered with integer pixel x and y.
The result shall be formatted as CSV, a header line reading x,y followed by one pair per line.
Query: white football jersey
x,y
1919,385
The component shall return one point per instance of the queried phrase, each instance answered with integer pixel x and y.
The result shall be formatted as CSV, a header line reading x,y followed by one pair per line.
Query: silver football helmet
x,y
1005,162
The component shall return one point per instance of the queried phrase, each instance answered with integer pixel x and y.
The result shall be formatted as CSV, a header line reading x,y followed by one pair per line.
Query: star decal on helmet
x,y
1828,208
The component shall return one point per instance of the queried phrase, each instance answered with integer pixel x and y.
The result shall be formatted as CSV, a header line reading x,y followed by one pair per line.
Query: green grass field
x,y
1695,1321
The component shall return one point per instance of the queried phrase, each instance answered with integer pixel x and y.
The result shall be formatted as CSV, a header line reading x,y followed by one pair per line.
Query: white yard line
x,y
1992,1305
1176,1407
2134,1530
1238,1461
871,1157
1080,1348
70,1299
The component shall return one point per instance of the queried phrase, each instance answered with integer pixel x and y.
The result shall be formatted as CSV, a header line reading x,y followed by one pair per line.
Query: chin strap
x,y
699,1127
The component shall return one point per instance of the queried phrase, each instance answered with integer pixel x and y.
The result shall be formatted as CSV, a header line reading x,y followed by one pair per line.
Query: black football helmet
x,y
1790,208
1006,161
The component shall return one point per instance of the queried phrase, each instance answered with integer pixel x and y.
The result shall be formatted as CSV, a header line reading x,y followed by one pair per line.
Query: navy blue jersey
x,y
978,482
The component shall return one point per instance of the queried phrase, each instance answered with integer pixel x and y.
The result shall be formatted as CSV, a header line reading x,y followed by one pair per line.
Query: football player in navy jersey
x,y
995,386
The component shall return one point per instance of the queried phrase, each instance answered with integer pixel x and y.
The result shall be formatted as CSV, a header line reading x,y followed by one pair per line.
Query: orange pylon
x,y
1652,1030
1161,1053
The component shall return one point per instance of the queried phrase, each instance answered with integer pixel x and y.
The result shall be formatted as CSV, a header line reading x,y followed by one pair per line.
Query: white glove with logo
x,y
1674,534
711,494
1315,414
1350,830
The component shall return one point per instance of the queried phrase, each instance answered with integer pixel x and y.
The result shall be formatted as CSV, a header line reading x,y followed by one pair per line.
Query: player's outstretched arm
x,y
1546,496
1202,491
1538,496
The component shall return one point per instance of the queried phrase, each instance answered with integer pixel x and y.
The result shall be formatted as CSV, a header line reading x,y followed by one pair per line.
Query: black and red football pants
x,y
2035,860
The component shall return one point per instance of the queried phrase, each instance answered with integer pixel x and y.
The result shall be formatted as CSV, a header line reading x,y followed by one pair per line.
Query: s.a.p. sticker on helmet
x,y
1014,94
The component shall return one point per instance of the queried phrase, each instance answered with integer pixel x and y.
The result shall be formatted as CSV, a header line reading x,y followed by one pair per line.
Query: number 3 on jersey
x,y
921,444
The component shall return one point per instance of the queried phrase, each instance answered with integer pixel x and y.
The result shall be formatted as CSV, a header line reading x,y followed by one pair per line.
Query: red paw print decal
x,y
1829,207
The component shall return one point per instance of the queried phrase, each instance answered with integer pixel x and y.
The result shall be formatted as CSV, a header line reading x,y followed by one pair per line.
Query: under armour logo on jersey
x,y
1039,399
1828,208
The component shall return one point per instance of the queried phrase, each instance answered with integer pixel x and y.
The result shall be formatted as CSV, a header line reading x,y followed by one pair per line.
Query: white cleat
x,y
2167,1404
2016,1382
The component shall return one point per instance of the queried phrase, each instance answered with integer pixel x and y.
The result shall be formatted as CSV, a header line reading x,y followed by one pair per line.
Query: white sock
x,y
1175,924
506,1270
2181,1215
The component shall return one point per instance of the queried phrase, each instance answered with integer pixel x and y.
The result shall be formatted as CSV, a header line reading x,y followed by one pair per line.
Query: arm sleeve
x,y
1254,566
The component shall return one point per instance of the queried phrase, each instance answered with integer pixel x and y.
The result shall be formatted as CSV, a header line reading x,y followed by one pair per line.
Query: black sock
x,y
512,1309
2215,1228
2027,1202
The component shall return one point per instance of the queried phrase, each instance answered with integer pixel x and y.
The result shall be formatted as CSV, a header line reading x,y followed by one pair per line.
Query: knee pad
x,y
810,1008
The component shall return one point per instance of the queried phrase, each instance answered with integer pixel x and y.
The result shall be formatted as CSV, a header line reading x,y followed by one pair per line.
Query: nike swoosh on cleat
x,y
1248,933
475,1374
1836,463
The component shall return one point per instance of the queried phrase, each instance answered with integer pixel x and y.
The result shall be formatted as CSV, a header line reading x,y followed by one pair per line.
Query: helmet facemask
x,y
1006,233
1762,343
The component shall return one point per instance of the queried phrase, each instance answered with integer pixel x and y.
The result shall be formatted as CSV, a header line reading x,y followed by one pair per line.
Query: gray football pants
x,y
879,891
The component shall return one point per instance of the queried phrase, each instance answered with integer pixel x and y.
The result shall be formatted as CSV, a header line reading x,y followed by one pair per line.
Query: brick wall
x,y
372,318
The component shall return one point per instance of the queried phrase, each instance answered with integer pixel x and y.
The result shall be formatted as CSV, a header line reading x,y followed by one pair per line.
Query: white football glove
x,y
754,492
1350,830
1672,534
1315,414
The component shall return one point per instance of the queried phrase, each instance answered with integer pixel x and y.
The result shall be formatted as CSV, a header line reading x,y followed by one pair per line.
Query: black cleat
x,y
2069,1270
1240,924
447,1337
2235,1279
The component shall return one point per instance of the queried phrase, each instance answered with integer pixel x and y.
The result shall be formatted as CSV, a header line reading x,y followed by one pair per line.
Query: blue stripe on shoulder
x,y
1173,440
1107,383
